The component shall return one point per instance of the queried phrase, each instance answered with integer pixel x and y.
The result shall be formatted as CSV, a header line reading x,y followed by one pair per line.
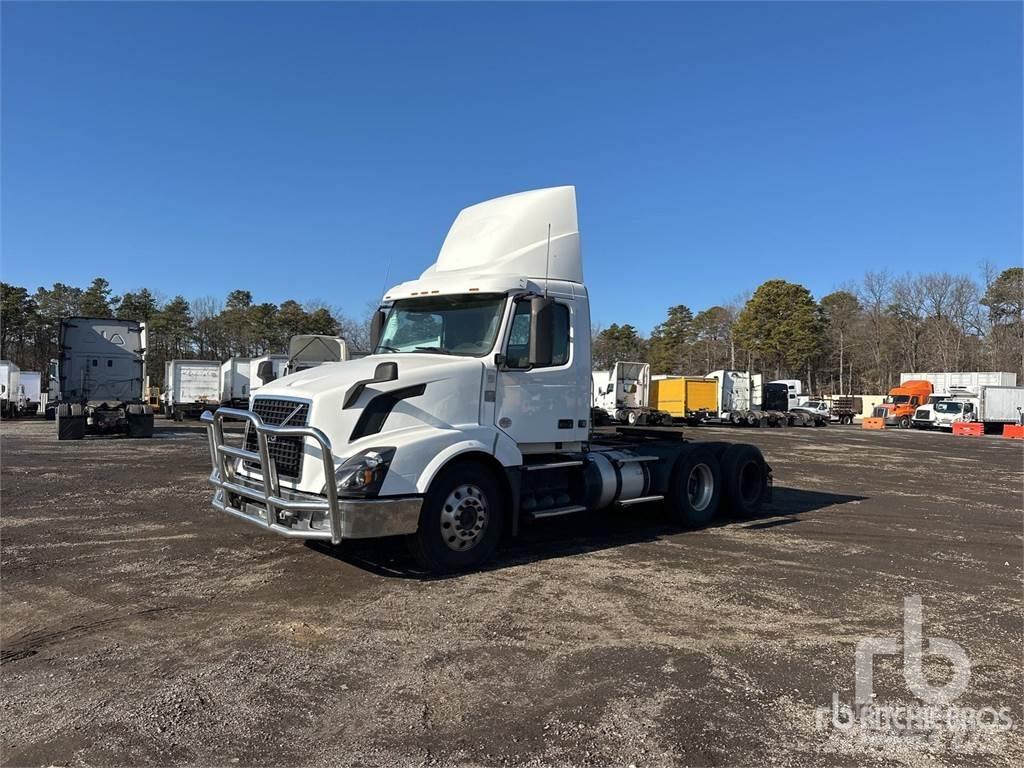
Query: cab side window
x,y
517,353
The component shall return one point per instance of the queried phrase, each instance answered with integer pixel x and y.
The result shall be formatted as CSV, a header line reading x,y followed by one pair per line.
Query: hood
x,y
431,391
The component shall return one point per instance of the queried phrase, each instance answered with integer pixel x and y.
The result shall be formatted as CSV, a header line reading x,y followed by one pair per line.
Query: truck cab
x,y
898,407
471,412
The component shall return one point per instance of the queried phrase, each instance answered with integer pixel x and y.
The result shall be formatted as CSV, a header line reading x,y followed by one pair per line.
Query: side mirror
x,y
542,330
266,371
376,328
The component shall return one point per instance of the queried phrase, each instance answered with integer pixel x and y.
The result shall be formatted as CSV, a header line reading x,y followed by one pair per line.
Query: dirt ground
x,y
139,626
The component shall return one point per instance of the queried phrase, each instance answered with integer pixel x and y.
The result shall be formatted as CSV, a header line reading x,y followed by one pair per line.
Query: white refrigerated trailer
x,y
472,413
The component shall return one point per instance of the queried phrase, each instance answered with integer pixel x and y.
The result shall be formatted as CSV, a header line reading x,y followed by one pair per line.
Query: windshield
x,y
897,399
947,407
452,325
815,404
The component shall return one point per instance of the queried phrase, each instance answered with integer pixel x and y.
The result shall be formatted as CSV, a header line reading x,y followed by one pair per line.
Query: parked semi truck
x,y
745,400
470,415
190,387
234,381
10,389
622,396
101,369
900,404
685,398
310,350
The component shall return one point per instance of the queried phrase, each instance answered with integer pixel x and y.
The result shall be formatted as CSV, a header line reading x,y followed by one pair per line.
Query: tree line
x,y
855,340
177,328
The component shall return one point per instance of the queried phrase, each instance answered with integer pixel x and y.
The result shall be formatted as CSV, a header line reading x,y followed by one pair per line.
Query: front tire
x,y
904,422
461,520
695,488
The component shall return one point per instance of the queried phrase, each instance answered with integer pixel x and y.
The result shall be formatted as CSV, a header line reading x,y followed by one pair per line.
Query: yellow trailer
x,y
685,397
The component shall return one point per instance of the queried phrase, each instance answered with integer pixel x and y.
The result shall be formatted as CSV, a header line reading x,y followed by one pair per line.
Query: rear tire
x,y
744,480
139,423
70,422
695,487
461,521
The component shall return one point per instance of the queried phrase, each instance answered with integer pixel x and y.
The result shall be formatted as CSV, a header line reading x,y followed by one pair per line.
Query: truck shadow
x,y
578,534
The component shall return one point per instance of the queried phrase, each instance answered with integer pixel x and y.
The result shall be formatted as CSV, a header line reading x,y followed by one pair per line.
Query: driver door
x,y
540,406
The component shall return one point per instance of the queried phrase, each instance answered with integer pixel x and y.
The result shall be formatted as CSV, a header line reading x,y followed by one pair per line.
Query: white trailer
x,y
471,414
10,389
310,350
622,395
944,383
101,370
31,392
263,370
234,381
190,387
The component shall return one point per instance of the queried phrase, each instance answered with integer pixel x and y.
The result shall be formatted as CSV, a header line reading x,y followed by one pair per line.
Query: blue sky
x,y
296,149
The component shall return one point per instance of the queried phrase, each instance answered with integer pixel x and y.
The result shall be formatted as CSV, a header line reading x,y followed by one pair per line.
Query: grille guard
x,y
268,493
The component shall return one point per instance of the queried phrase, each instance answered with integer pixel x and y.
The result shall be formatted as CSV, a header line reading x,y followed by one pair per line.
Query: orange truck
x,y
899,405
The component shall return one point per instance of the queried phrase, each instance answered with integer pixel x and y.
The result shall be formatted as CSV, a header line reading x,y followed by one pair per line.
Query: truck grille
x,y
922,414
286,452
879,412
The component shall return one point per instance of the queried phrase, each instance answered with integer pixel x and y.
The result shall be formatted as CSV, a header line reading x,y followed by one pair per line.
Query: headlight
x,y
363,474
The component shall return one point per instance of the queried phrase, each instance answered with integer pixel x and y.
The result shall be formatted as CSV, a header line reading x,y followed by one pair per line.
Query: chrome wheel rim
x,y
700,487
464,517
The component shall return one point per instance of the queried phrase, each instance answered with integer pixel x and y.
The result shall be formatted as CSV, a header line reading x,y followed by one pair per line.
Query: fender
x,y
503,449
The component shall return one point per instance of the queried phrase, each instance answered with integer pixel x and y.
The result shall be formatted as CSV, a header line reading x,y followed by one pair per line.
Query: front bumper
x,y
291,513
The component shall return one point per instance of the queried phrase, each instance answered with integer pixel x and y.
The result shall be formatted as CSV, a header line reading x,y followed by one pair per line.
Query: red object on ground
x,y
969,428
1015,431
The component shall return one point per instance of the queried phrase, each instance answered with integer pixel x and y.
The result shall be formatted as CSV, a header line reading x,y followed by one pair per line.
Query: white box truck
x,y
993,406
190,387
10,389
234,381
471,414
101,370
622,395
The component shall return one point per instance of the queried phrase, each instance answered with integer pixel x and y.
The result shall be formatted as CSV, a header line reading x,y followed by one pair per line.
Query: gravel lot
x,y
142,627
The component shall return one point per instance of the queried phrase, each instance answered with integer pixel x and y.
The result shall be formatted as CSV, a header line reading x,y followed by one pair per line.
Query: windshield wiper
x,y
386,348
433,349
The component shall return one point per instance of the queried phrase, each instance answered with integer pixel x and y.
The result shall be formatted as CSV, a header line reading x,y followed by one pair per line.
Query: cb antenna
x,y
387,272
547,262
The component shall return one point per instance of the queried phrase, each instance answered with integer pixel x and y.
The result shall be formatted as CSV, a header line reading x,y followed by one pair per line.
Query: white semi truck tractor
x,y
471,415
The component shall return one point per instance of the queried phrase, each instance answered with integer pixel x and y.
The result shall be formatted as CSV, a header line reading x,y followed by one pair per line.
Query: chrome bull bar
x,y
226,480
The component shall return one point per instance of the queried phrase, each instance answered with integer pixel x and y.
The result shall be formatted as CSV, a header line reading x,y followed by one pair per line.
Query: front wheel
x,y
905,422
461,520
